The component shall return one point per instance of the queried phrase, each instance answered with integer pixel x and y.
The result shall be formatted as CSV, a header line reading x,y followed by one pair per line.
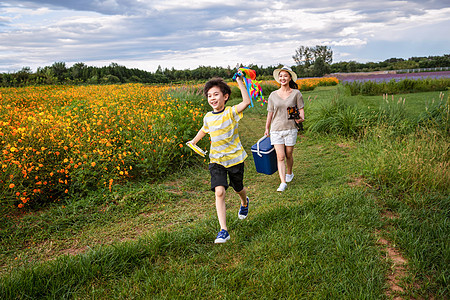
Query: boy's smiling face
x,y
217,99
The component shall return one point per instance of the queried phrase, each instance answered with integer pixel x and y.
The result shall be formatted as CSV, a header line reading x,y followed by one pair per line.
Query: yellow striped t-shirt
x,y
226,148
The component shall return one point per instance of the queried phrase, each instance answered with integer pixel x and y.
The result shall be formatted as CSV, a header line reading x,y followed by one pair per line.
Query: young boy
x,y
226,153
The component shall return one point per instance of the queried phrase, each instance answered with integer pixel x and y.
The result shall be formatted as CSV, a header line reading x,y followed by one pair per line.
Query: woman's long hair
x,y
293,84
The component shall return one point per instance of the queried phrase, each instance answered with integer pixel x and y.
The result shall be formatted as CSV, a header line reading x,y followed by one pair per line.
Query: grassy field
x,y
339,231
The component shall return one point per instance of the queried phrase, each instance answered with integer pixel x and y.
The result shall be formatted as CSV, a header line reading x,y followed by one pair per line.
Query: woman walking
x,y
285,111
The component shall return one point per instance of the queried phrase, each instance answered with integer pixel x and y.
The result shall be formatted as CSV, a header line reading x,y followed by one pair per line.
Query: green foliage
x,y
110,79
338,117
309,55
418,161
371,88
392,113
320,67
342,116
393,64
437,115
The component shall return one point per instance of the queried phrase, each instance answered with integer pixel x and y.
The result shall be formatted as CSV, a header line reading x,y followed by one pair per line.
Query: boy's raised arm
x,y
245,97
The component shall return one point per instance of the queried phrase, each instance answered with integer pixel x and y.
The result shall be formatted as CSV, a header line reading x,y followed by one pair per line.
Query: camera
x,y
294,114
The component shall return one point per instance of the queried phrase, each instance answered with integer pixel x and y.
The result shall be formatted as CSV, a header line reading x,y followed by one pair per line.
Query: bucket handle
x,y
257,145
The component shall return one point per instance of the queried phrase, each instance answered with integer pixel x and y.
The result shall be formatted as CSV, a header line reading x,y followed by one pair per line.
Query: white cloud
x,y
349,42
186,34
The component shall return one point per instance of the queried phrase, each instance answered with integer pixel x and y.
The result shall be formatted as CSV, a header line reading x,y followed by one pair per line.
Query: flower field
x,y
387,76
58,140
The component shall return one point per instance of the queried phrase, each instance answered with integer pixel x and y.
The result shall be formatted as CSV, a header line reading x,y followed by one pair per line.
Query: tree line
x,y
310,62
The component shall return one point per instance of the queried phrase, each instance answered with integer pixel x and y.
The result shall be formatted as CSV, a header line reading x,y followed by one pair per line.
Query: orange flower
x,y
110,184
11,185
20,205
93,164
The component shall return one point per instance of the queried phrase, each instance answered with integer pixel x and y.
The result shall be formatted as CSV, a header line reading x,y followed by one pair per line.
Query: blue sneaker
x,y
243,211
222,236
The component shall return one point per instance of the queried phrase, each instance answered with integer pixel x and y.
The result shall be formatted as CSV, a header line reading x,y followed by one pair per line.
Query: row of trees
x,y
310,62
317,61
80,73
393,64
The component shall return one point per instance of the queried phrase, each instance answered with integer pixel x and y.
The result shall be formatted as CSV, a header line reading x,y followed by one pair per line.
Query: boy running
x,y
226,153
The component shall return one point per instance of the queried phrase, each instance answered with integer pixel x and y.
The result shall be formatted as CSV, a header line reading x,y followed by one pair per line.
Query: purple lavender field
x,y
388,75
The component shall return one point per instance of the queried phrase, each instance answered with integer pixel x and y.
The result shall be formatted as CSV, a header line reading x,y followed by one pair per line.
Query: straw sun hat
x,y
276,72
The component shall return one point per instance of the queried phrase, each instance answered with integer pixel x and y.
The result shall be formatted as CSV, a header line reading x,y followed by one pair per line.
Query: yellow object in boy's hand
x,y
196,148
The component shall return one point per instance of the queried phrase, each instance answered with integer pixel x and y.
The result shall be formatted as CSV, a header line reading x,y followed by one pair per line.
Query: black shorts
x,y
219,176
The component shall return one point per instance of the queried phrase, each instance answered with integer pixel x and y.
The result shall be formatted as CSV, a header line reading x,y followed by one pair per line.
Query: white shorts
x,y
284,137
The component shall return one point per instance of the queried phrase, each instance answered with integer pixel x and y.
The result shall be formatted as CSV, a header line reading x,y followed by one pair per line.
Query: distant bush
x,y
339,117
371,88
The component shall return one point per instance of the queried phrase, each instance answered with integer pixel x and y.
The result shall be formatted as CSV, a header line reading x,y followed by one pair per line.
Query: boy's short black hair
x,y
219,82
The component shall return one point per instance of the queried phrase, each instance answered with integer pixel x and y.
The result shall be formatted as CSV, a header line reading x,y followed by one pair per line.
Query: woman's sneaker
x,y
243,211
222,237
289,177
282,187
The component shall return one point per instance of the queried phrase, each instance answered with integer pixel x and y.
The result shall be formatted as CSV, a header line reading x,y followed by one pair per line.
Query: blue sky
x,y
185,34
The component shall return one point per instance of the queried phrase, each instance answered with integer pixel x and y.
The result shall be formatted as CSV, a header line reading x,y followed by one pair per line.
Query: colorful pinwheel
x,y
253,87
